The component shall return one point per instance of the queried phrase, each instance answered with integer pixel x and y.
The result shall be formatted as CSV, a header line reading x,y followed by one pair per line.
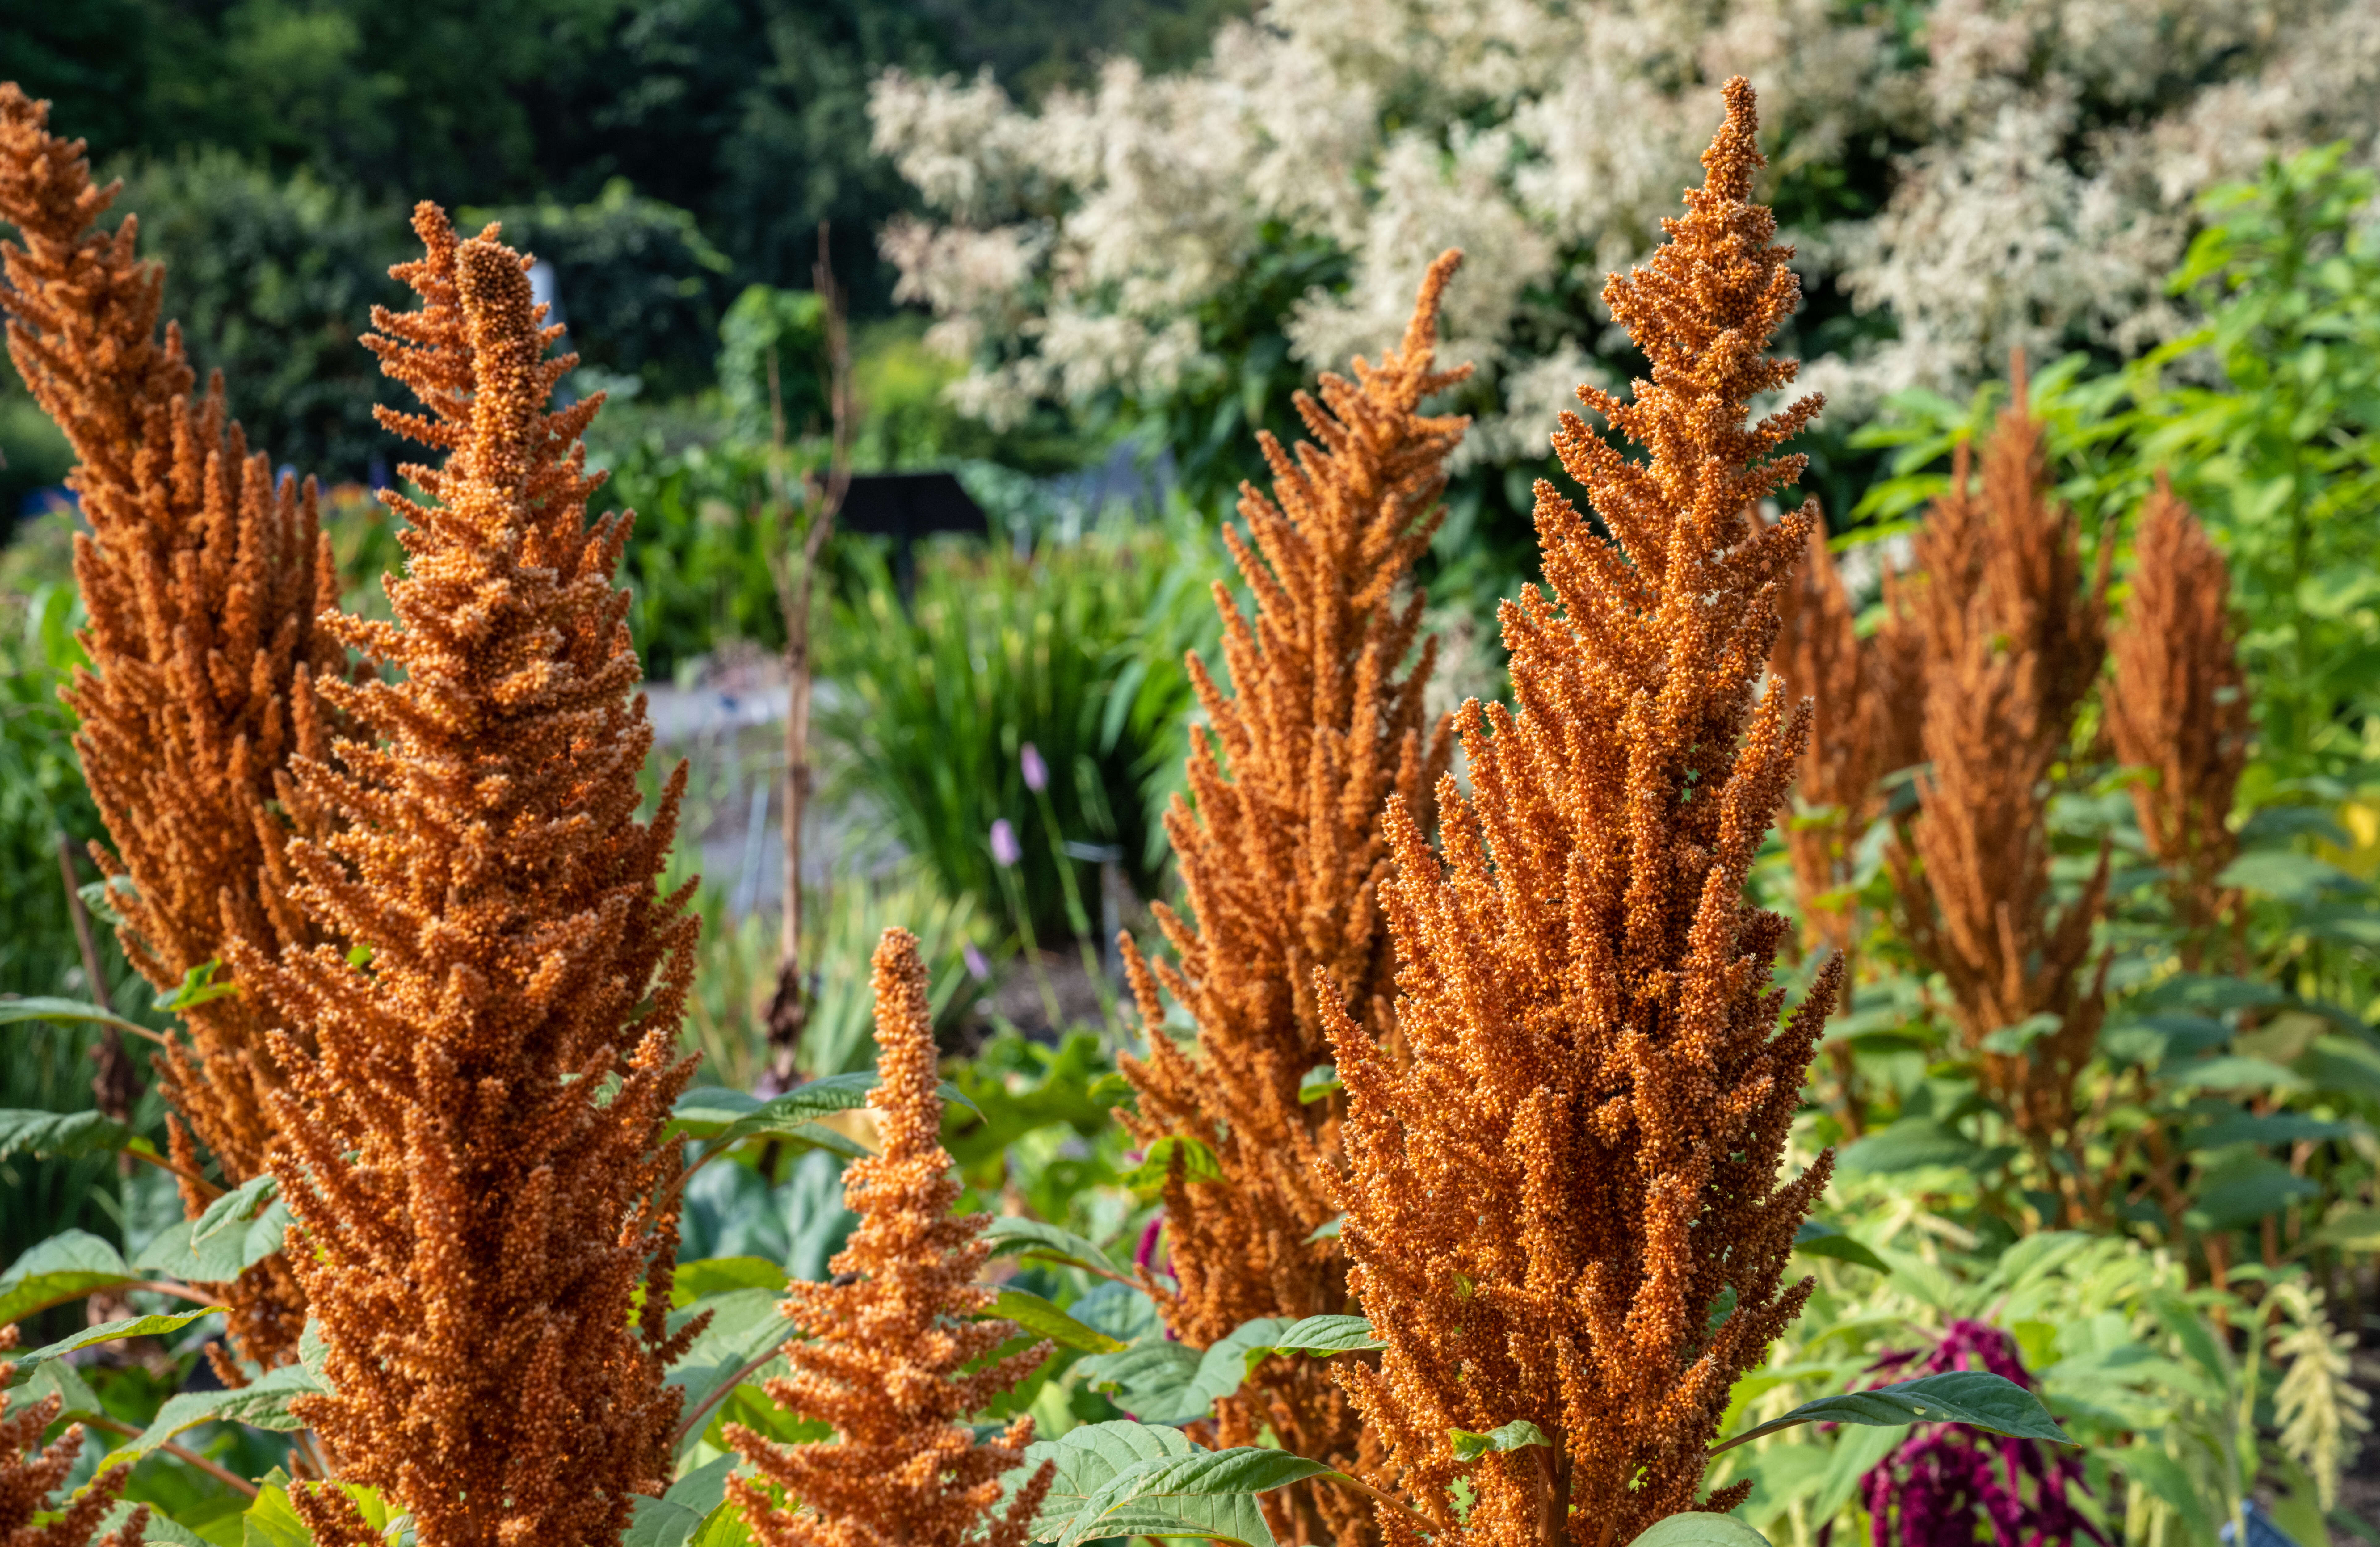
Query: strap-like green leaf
x,y
1505,1437
106,1332
1992,1403
67,1012
1041,1319
1032,1239
1699,1530
1208,1494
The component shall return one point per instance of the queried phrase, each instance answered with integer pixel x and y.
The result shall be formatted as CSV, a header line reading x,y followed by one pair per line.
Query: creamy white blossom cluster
x,y
2042,159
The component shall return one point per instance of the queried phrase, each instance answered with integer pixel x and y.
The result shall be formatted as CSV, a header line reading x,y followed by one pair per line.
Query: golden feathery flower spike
x,y
1548,1201
203,577
1281,862
2178,709
890,1338
2013,637
29,1473
470,1142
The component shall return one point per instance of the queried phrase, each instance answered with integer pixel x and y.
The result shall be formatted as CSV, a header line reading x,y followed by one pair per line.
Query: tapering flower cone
x,y
468,1133
2013,636
1567,1206
890,1339
204,578
2178,709
1282,861
30,1473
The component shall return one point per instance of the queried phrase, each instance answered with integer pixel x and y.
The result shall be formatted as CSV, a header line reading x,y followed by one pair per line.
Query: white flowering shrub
x,y
1962,178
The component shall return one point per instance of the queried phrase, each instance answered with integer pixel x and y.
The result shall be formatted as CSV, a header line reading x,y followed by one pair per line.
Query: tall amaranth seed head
x,y
1567,1207
470,1142
204,578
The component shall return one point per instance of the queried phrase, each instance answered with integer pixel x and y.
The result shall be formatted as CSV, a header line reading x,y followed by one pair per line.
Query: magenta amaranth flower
x,y
1037,773
1005,850
1946,1480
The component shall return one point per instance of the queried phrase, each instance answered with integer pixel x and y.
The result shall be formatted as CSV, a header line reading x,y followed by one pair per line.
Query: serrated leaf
x,y
1470,1445
1083,1461
66,1267
1208,1494
1012,1235
1976,1397
1198,1164
1039,1317
237,1207
271,1521
61,1380
1819,1239
1150,1381
1120,1310
156,1529
1699,1529
64,1135
107,1331
223,1256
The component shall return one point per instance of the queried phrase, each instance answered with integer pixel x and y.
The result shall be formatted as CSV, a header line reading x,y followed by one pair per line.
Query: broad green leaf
x,y
2232,1071
1041,1319
2009,1040
1907,1145
2242,1190
1120,1310
679,1516
237,1207
1319,1081
1698,1529
2284,875
1083,1461
57,1377
157,1529
65,1135
1030,1238
1327,1230
2343,1065
1819,1239
66,1012
1208,1494
66,1267
262,1404
271,1521
1150,1381
1321,1336
1198,1164
221,1256
106,1332
1992,1403
745,1325
2267,1128
715,1275
1470,1446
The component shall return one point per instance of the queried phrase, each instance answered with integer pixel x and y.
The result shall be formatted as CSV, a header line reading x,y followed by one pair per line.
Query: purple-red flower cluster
x,y
1931,1491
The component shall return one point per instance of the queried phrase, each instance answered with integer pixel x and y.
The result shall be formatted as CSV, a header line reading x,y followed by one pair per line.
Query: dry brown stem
x,y
2178,709
1581,1156
2013,634
203,578
889,1338
30,1473
1282,859
469,1143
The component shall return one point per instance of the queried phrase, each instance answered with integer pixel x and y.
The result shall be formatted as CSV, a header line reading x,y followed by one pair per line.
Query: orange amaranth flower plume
x,y
890,1338
203,578
2012,639
1546,1204
2180,709
1281,863
471,1143
29,1473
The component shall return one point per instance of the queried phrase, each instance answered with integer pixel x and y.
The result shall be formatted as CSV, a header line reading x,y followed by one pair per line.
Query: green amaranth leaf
x,y
107,1331
1470,1446
1321,1336
1032,1239
65,1135
1992,1403
198,987
1198,1164
1083,1461
1208,1494
66,1267
1698,1529
1820,1239
1150,1379
1041,1319
221,1256
262,1404
235,1208
1319,1081
1327,1230
66,1012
